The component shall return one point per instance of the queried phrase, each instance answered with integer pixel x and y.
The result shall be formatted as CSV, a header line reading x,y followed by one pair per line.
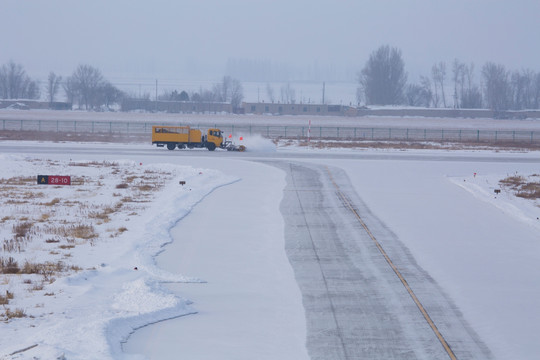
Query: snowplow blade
x,y
236,148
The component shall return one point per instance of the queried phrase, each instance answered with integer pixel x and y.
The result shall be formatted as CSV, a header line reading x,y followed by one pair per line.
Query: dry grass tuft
x,y
19,180
530,191
66,246
12,245
47,269
522,186
95,163
4,299
52,202
17,313
17,202
102,215
9,266
21,230
513,181
44,217
82,231
145,187
37,287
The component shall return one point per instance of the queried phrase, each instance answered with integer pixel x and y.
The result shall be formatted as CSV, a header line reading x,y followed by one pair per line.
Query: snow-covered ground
x,y
481,247
250,119
92,245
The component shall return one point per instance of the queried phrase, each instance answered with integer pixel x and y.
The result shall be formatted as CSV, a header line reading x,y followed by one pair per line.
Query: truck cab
x,y
214,136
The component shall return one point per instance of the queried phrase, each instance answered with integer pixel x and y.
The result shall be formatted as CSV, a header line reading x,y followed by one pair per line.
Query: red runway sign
x,y
53,180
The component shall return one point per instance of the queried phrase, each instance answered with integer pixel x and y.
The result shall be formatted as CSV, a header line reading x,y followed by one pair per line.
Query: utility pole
x,y
156,95
323,88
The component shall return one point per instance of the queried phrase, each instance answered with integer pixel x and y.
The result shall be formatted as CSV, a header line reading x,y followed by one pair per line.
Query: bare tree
x,y
71,90
176,96
228,91
183,96
288,94
496,86
270,92
523,89
53,83
222,91
109,94
90,90
15,84
425,82
237,93
536,96
470,96
204,95
438,73
88,81
418,95
458,75
383,78
31,89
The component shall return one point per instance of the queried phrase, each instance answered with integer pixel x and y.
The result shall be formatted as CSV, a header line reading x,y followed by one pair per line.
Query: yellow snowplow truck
x,y
182,137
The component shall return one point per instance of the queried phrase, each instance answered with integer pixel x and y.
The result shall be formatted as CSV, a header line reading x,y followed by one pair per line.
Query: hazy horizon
x,y
140,42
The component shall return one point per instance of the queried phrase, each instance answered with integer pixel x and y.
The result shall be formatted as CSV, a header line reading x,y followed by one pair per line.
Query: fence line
x,y
285,131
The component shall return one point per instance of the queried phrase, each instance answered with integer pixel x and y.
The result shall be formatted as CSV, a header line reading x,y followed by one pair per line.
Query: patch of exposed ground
x,y
527,187
42,226
403,145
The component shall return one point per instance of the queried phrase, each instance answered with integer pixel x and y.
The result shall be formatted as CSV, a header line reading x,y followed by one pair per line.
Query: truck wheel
x,y
211,146
171,146
181,146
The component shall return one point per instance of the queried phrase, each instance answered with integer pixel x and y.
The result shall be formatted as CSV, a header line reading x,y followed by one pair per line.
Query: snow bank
x,y
488,188
88,314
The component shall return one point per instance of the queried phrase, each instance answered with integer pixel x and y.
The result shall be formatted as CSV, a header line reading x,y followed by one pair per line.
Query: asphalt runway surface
x,y
144,150
356,306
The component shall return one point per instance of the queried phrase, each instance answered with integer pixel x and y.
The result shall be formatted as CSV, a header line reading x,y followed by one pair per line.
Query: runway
x,y
356,306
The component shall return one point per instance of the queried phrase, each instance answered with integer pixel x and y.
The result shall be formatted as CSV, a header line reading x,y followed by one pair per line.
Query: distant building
x,y
298,109
33,104
186,107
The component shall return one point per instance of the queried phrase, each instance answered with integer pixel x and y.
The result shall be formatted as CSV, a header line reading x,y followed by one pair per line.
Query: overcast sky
x,y
174,39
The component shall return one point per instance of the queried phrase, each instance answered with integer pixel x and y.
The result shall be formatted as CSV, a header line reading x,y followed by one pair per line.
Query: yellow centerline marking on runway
x,y
396,271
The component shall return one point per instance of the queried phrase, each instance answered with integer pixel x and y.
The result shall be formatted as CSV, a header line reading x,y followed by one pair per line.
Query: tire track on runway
x,y
323,276
355,305
430,322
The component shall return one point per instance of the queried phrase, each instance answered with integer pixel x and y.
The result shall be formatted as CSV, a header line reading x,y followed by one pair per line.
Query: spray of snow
x,y
255,143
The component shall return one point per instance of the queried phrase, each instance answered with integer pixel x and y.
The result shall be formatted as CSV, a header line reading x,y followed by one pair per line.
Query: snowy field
x,y
92,265
250,119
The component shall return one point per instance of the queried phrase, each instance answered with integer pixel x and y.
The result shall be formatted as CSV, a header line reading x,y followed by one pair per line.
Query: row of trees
x,y
88,89
15,84
229,90
383,81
